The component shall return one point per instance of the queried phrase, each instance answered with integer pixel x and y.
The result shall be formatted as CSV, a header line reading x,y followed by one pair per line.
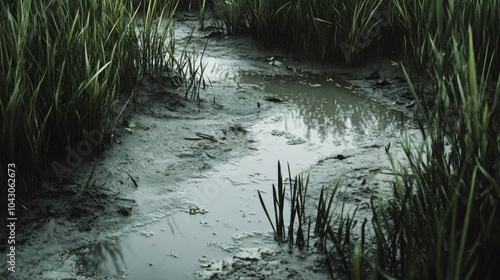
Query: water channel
x,y
321,117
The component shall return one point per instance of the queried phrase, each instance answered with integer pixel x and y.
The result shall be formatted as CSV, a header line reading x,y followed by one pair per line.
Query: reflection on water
x,y
107,258
172,248
330,118
324,111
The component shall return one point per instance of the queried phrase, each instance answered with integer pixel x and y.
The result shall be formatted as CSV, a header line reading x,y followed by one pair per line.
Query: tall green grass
x,y
429,25
63,66
340,30
349,32
443,220
234,15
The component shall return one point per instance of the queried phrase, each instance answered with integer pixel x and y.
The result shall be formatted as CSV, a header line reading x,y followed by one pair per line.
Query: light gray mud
x,y
169,155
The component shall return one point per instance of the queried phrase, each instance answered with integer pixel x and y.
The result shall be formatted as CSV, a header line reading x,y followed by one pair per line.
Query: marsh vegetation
x,y
441,220
64,66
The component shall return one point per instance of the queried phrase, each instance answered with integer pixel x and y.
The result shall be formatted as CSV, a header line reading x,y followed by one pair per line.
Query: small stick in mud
x,y
133,180
273,99
209,155
124,199
206,136
238,128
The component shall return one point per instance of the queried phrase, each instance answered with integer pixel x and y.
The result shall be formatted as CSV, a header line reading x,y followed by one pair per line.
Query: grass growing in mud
x,y
298,192
64,64
442,219
348,32
325,30
333,233
429,25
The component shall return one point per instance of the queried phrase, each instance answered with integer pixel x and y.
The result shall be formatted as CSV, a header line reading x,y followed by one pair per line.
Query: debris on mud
x,y
273,99
291,139
194,209
264,263
238,128
125,211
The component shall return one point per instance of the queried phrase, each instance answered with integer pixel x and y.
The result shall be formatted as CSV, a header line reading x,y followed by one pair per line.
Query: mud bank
x,y
170,155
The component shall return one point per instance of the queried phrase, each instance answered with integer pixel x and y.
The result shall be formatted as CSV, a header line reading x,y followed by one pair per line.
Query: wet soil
x,y
174,195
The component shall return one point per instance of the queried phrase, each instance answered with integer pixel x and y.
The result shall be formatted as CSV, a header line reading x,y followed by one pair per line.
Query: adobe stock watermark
x,y
75,155
11,218
363,39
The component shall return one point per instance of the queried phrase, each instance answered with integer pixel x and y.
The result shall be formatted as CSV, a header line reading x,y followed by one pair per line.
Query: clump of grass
x,y
324,216
430,25
339,31
334,231
441,222
279,207
190,68
161,58
65,65
233,14
298,192
156,29
348,32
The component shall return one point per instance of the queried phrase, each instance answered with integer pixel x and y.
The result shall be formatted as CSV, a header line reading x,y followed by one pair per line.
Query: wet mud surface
x,y
175,194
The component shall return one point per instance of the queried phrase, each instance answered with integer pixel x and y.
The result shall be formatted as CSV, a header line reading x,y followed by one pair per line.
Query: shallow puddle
x,y
323,110
322,118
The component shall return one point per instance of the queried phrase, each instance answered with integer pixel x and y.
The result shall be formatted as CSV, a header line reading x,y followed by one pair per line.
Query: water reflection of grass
x,y
336,117
327,110
103,254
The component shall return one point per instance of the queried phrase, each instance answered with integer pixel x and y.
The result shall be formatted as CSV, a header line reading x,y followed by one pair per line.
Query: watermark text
x,y
11,217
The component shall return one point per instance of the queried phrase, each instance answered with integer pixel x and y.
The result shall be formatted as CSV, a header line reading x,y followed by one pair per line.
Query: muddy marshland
x,y
248,139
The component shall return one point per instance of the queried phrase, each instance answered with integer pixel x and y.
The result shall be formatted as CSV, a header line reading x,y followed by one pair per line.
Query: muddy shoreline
x,y
166,140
